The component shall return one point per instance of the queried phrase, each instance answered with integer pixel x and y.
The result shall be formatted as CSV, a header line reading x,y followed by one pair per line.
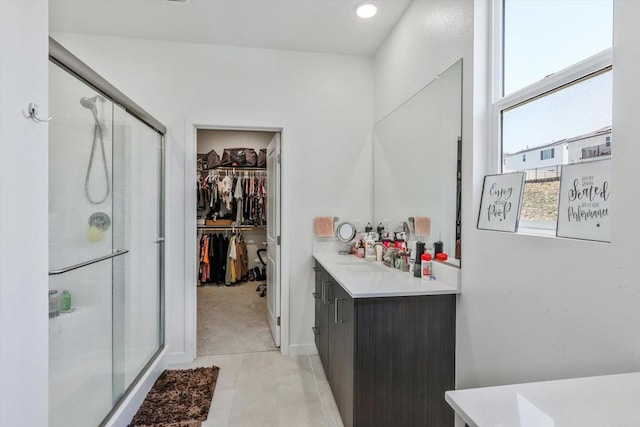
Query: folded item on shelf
x,y
212,160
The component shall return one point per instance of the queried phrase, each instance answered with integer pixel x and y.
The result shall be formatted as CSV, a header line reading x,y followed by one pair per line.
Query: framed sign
x,y
501,200
584,209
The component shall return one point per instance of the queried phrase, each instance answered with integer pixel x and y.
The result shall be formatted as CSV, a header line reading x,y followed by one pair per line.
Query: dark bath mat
x,y
179,398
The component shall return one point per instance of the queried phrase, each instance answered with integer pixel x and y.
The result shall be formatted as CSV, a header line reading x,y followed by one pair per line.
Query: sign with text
x,y
584,209
501,200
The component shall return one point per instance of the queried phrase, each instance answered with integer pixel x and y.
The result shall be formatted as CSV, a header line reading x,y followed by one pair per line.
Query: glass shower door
x,y
138,332
81,243
106,251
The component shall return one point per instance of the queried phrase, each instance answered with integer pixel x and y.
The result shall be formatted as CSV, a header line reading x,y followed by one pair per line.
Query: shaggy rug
x,y
179,398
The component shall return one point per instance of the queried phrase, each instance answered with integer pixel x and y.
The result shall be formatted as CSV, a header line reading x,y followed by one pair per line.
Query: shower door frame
x,y
134,394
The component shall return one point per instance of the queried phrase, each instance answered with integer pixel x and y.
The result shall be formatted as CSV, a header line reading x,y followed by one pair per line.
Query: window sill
x,y
529,231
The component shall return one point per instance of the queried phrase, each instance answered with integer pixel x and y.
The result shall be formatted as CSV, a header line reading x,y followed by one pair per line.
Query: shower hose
x,y
97,133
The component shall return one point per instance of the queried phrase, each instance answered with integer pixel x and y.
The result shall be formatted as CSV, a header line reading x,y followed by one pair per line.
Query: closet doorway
x,y
237,243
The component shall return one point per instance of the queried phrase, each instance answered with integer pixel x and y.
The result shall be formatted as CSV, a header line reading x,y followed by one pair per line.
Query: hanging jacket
x,y
242,260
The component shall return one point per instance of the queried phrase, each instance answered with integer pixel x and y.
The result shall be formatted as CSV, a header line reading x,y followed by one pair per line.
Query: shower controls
x,y
100,220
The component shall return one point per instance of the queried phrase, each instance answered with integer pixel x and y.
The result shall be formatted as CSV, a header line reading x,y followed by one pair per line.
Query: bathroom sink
x,y
360,267
352,262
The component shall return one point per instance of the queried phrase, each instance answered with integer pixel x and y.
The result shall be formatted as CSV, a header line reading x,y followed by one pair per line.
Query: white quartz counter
x,y
365,279
603,401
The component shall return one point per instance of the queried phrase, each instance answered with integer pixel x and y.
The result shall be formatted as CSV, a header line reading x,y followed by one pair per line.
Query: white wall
x,y
430,37
322,102
532,308
537,308
23,219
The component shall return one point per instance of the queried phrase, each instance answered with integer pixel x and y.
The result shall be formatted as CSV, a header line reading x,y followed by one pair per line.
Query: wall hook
x,y
33,114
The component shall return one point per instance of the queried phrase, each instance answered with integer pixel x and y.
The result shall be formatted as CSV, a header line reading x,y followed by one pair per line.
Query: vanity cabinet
x,y
321,328
389,360
340,354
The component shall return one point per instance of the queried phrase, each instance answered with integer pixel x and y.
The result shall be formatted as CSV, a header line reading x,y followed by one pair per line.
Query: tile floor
x,y
266,389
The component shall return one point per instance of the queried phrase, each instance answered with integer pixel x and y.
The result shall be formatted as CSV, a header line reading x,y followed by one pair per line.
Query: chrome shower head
x,y
90,103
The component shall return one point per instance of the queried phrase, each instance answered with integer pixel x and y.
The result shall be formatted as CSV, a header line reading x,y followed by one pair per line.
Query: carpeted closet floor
x,y
232,319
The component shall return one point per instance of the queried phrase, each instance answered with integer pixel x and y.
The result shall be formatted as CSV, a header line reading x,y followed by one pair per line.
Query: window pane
x,y
570,125
542,37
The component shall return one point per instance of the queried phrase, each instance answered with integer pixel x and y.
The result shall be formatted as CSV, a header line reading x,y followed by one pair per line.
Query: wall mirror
x,y
417,161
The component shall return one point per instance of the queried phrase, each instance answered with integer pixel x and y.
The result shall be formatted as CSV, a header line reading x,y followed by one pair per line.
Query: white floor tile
x,y
266,389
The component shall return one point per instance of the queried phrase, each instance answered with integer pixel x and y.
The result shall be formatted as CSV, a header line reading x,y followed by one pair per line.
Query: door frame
x,y
190,255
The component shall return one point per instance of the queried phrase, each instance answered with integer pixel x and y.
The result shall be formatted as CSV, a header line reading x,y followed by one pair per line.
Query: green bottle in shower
x,y
65,301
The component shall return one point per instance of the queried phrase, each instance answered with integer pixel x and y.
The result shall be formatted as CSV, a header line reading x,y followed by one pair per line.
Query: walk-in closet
x,y
232,218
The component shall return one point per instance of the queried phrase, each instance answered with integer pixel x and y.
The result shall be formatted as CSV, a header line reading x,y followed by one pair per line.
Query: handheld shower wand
x,y
90,104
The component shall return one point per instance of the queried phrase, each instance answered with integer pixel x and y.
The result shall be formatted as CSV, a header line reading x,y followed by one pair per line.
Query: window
x,y
553,86
542,37
547,154
607,141
524,157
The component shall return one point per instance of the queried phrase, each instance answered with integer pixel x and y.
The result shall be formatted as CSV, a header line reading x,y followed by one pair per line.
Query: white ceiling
x,y
306,25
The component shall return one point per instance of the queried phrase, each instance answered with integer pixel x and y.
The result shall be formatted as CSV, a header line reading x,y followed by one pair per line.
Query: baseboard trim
x,y
178,358
302,349
130,405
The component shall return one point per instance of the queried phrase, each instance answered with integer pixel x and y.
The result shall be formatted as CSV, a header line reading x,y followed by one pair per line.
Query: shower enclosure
x,y
106,160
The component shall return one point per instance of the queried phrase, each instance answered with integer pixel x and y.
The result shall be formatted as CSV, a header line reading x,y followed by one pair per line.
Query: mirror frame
x,y
343,226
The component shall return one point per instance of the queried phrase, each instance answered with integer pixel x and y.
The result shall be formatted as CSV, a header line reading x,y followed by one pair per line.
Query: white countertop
x,y
604,401
365,279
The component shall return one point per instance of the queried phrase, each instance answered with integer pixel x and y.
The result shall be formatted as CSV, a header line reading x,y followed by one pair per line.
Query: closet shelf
x,y
236,168
231,227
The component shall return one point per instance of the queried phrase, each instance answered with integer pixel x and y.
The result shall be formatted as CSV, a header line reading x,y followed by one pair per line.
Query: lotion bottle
x,y
426,266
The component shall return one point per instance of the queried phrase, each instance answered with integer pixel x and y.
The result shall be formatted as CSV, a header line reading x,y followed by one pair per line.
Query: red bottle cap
x,y
442,256
426,257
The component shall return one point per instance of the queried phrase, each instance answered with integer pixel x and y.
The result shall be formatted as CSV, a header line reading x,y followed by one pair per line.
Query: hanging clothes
x,y
228,194
230,278
242,260
227,185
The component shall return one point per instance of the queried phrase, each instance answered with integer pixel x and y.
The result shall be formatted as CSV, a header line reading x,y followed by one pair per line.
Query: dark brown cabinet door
x,y
344,314
333,367
388,360
405,360
341,345
321,327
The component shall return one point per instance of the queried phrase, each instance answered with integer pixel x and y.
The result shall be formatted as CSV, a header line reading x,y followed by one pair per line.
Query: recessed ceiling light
x,y
366,10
